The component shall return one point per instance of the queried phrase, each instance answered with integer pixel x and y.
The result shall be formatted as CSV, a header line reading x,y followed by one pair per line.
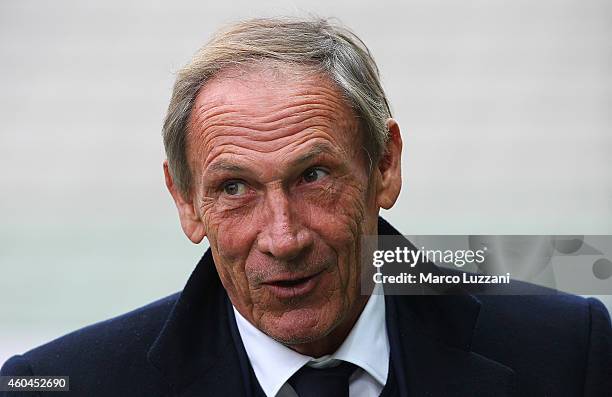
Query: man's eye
x,y
234,188
314,174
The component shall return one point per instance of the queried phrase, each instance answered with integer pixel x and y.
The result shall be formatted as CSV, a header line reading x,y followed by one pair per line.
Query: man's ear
x,y
190,221
390,168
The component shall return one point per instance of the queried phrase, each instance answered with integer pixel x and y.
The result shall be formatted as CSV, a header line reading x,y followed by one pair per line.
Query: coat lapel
x,y
431,337
431,351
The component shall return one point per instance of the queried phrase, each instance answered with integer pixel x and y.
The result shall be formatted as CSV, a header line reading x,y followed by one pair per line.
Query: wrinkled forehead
x,y
266,102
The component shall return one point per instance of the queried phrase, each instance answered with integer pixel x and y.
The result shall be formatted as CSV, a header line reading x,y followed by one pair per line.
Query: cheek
x,y
231,235
230,232
338,216
337,211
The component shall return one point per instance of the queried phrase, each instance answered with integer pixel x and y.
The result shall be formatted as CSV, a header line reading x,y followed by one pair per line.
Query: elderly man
x,y
281,151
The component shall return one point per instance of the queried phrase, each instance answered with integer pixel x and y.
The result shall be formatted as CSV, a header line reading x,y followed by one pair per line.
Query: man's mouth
x,y
292,287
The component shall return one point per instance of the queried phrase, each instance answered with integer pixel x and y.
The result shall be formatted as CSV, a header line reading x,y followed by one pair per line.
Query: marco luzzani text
x,y
458,258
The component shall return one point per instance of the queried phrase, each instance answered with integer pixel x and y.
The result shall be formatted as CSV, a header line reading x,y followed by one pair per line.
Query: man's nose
x,y
283,235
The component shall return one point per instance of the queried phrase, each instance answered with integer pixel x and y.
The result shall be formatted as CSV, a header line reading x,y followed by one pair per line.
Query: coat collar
x,y
430,342
194,350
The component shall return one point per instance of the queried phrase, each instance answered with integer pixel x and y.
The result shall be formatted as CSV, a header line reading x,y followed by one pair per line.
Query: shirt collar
x,y
366,346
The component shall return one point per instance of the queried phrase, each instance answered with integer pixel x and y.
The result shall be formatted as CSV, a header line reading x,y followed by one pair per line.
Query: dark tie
x,y
323,382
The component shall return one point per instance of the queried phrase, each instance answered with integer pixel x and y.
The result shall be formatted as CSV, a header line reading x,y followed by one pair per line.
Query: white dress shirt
x,y
367,346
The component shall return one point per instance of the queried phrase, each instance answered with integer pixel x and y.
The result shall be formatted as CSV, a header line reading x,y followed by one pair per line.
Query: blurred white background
x,y
504,107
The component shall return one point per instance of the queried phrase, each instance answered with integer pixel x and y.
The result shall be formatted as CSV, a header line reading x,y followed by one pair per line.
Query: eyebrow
x,y
223,165
316,150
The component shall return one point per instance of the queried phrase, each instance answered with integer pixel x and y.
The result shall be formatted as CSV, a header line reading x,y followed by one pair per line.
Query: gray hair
x,y
330,48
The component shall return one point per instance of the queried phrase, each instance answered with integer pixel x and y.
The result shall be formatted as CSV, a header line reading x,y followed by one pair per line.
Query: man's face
x,y
283,193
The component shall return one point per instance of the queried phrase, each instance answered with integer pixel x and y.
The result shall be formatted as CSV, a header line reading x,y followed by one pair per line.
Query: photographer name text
x,y
430,278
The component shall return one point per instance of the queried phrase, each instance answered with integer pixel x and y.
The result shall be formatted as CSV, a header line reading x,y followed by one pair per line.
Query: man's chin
x,y
294,340
299,327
